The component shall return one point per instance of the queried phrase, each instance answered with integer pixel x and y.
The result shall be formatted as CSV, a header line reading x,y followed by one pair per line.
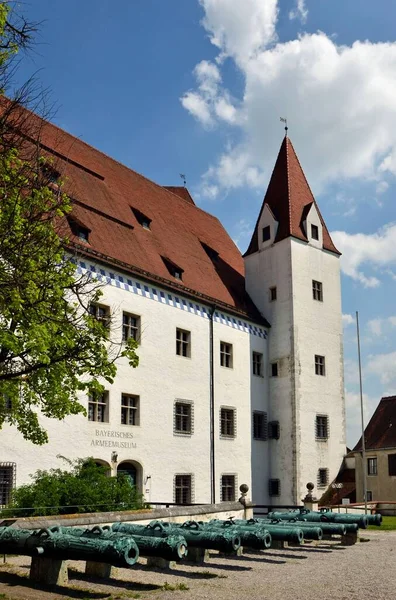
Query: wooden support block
x,y
49,570
277,544
155,562
98,569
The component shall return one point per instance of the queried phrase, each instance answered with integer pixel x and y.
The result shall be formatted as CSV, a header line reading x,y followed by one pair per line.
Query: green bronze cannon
x,y
292,534
321,517
195,536
371,519
311,531
172,547
120,553
250,538
326,528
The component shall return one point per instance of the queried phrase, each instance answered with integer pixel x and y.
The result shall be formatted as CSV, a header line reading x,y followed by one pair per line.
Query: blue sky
x,y
198,86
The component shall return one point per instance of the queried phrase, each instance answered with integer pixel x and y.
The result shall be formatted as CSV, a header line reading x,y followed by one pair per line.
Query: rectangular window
x,y
274,369
183,343
272,293
392,465
227,422
129,410
7,481
273,430
266,233
183,418
183,489
228,488
101,313
257,364
98,407
260,428
274,487
369,496
314,232
317,290
320,365
130,327
372,466
226,355
322,427
323,477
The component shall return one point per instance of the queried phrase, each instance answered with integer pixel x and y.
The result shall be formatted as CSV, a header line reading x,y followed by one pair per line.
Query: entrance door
x,y
128,469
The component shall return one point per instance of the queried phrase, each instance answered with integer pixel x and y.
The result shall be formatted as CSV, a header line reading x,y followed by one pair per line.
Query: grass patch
x,y
388,524
178,586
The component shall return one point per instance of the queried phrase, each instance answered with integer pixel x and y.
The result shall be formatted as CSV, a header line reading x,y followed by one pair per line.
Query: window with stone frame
x,y
228,485
320,368
226,355
317,290
323,477
183,418
372,467
227,422
322,427
98,407
130,409
101,313
257,361
260,426
7,481
183,489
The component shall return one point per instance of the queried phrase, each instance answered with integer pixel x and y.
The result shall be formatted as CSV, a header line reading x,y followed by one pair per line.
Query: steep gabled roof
x,y
289,197
381,430
107,196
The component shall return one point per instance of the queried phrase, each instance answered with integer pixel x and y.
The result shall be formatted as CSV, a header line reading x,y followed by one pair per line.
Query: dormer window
x,y
266,233
173,268
315,232
79,230
50,174
141,218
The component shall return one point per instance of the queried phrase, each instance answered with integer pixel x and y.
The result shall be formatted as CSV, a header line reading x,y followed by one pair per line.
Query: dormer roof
x,y
289,198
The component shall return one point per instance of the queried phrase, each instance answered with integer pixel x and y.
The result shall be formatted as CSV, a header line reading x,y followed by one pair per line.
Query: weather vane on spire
x,y
284,120
183,177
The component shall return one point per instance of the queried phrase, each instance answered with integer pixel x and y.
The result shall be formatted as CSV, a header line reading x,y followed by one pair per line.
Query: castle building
x,y
241,365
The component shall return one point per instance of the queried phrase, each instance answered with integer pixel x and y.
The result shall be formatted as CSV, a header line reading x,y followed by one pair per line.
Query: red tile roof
x,y
104,193
181,191
289,197
381,430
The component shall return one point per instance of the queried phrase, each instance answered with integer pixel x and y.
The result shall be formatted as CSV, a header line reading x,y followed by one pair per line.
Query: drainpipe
x,y
212,411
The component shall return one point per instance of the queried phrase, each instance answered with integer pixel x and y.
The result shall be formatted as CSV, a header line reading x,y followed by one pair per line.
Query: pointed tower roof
x,y
289,197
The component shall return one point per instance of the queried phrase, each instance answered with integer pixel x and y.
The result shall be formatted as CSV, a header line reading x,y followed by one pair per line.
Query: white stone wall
x,y
162,378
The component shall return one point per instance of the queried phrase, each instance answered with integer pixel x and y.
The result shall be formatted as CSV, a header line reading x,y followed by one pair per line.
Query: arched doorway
x,y
133,471
103,463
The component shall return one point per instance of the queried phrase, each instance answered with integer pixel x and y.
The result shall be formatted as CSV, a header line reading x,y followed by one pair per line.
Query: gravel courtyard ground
x,y
326,570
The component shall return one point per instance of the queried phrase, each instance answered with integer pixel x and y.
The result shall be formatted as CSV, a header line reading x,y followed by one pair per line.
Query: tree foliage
x,y
86,487
51,347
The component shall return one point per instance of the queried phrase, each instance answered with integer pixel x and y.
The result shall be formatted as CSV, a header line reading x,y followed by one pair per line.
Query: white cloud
x,y
240,29
383,366
339,100
382,187
347,320
243,231
375,326
198,107
299,12
353,413
370,250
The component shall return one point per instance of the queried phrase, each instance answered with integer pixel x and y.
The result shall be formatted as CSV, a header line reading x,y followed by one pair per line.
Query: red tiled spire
x,y
289,197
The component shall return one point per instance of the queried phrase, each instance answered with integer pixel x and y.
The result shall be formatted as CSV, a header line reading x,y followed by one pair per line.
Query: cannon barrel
x,y
289,534
120,552
250,538
196,536
322,517
327,528
172,547
294,530
375,519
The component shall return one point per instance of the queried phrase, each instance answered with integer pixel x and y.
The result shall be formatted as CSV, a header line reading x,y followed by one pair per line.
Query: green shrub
x,y
86,487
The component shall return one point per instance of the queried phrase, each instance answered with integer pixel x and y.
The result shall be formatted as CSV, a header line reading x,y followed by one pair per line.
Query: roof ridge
x,y
288,179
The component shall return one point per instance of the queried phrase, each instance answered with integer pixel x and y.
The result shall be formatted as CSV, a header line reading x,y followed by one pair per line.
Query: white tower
x,y
293,276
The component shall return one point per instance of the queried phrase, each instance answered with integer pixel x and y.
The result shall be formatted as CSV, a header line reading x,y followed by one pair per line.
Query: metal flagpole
x,y
362,418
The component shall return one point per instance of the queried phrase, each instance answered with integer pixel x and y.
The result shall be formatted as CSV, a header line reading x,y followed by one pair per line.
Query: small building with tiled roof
x,y
380,443
240,377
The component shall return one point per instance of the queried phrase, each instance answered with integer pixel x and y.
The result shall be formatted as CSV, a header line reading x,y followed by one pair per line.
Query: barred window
x,y
228,488
322,427
260,425
317,290
257,364
129,409
227,422
323,477
183,343
101,313
369,496
98,407
7,481
320,365
274,487
183,489
226,355
183,418
130,327
273,430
